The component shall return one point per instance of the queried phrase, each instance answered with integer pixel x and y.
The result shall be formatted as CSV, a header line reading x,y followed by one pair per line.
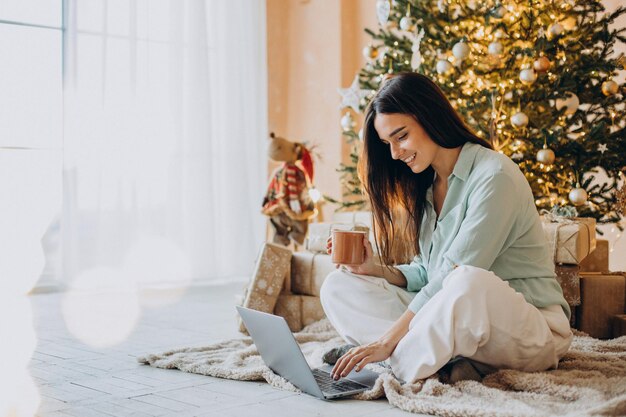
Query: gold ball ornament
x,y
370,52
578,196
610,88
519,119
569,23
542,64
546,156
527,76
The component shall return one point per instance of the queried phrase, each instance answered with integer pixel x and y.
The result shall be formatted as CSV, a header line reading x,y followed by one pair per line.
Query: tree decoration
x,y
461,50
546,156
621,200
566,50
383,8
609,88
519,119
347,122
416,58
495,48
370,52
578,196
351,96
542,64
570,103
528,76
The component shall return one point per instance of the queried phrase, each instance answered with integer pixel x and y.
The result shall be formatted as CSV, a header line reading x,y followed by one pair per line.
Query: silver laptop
x,y
281,354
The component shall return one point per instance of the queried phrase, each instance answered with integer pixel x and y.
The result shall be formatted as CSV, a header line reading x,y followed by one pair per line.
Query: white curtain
x,y
165,125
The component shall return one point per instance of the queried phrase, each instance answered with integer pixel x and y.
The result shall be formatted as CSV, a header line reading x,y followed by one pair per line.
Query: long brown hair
x,y
398,195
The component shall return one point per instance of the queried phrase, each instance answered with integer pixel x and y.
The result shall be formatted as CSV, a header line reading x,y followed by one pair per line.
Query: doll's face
x,y
281,150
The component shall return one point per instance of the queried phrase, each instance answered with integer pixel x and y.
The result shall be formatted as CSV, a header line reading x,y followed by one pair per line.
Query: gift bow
x,y
560,214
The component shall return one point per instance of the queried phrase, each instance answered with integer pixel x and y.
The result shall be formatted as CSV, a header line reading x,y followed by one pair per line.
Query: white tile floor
x,y
75,379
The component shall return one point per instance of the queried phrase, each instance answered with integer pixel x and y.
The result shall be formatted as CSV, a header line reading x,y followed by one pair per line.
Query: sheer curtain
x,y
164,140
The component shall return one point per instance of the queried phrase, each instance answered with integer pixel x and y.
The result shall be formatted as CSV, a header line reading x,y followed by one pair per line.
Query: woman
x,y
482,285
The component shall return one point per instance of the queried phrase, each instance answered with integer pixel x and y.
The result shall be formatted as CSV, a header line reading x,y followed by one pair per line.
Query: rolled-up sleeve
x,y
415,274
484,233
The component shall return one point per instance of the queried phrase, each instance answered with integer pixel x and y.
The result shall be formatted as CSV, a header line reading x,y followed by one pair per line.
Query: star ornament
x,y
351,97
602,148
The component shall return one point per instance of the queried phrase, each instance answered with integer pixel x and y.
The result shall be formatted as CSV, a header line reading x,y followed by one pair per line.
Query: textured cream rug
x,y
591,379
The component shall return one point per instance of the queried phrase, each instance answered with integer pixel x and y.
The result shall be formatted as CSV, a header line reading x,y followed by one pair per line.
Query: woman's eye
x,y
401,138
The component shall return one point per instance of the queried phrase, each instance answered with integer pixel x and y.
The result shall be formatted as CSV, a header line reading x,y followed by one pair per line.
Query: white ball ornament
x,y
546,156
578,196
495,48
347,122
406,23
443,66
556,29
527,76
570,103
460,50
519,119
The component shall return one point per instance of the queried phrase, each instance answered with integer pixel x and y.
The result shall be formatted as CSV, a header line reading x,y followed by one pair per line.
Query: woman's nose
x,y
395,150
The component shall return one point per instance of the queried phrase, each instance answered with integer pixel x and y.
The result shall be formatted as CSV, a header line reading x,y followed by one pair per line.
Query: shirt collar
x,y
465,161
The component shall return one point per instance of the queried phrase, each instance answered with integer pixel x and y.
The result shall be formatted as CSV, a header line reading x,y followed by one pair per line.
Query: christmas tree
x,y
536,78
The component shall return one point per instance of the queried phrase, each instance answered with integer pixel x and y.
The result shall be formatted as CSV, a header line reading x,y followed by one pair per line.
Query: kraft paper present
x,y
299,310
571,240
602,297
272,269
354,217
308,272
319,233
598,260
569,279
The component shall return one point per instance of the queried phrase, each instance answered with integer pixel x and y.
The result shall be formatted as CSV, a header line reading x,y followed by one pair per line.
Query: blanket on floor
x,y
590,380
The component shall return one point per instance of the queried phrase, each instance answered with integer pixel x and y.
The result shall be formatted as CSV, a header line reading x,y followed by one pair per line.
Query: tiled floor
x,y
75,379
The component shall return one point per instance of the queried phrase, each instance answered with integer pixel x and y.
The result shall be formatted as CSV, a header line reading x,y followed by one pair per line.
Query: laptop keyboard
x,y
330,386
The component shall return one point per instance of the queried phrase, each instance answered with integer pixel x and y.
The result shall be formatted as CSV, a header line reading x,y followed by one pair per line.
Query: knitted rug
x,y
591,379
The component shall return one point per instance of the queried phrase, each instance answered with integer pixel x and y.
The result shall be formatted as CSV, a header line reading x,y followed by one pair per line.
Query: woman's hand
x,y
360,356
368,267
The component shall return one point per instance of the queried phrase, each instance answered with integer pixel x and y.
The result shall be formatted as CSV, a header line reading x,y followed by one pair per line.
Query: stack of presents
x,y
287,283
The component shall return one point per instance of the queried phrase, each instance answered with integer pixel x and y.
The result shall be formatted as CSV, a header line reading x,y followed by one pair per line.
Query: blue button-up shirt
x,y
488,220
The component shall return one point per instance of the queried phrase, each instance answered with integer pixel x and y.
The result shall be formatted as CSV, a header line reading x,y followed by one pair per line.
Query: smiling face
x,y
407,140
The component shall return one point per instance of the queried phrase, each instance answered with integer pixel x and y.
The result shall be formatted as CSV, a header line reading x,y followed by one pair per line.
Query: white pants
x,y
476,315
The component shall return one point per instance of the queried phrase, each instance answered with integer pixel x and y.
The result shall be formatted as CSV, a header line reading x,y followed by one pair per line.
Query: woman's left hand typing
x,y
360,356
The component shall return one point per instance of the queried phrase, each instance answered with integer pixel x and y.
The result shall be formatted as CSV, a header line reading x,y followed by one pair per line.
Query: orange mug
x,y
348,247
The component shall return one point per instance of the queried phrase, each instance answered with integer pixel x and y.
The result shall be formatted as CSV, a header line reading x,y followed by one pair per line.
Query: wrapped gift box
x,y
308,271
571,241
364,218
299,310
602,297
272,268
598,260
319,233
569,279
